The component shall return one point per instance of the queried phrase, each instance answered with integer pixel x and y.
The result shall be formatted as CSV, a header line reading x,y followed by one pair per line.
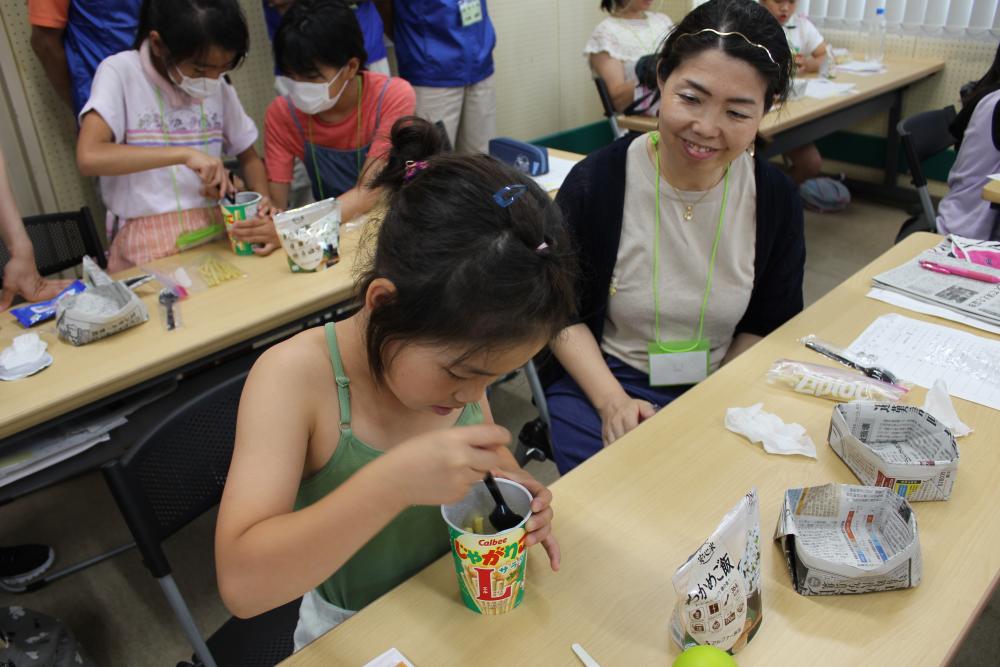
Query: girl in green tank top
x,y
351,436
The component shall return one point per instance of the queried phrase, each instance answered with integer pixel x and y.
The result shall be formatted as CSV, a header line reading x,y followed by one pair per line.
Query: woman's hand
x,y
621,415
539,526
439,468
211,171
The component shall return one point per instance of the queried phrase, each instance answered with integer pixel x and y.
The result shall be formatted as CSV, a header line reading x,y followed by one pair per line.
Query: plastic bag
x,y
310,235
35,313
718,588
183,274
831,383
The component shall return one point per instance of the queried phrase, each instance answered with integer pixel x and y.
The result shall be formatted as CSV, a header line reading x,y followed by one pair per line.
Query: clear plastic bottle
x,y
875,44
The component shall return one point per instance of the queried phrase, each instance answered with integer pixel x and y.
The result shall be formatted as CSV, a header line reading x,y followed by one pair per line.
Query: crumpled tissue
x,y
768,429
26,356
938,403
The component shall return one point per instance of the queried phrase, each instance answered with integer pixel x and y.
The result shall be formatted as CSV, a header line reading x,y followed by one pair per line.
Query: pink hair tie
x,y
413,167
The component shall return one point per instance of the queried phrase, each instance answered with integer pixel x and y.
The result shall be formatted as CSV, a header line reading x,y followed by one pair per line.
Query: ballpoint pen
x,y
955,271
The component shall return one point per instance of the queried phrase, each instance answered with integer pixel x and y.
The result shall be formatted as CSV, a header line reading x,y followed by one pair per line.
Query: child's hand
x,y
440,467
210,170
539,526
257,230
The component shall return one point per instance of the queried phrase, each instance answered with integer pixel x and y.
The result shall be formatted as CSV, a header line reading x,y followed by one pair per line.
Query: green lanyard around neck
x,y
357,144
166,135
655,138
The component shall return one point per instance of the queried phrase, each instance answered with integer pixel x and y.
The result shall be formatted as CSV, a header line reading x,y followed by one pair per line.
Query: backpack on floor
x,y
824,195
31,639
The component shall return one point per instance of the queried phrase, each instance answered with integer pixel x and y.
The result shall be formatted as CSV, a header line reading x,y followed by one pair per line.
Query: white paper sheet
x,y
862,67
558,170
921,353
918,306
822,89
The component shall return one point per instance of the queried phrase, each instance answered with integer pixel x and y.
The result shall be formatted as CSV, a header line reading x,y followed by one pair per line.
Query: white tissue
x,y
766,428
938,403
25,356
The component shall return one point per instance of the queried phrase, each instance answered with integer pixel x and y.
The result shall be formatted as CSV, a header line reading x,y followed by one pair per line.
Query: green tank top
x,y
406,545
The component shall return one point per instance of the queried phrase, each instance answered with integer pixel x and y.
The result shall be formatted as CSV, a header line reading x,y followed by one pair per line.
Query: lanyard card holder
x,y
472,12
678,362
532,160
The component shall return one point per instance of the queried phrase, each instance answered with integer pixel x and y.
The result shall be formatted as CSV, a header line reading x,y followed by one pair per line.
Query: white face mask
x,y
198,88
310,98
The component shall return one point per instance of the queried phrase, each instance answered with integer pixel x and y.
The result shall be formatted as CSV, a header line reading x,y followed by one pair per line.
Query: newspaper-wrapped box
x,y
840,539
897,446
104,309
310,235
718,587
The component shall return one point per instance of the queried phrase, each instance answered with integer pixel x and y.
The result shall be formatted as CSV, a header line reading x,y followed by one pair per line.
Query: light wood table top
x,y
236,311
991,191
627,518
269,296
898,73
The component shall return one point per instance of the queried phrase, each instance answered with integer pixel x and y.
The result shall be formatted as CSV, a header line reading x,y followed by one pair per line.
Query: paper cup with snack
x,y
490,565
244,206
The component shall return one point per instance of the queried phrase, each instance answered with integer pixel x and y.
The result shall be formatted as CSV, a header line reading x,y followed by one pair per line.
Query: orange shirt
x,y
48,13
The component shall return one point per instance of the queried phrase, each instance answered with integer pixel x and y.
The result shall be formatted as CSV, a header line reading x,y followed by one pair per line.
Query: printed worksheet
x,y
921,352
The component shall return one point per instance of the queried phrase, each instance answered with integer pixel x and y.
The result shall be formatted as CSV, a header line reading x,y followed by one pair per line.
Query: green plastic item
x,y
198,237
704,656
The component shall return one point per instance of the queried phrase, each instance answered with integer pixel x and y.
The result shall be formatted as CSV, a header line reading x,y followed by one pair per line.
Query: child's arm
x,y
268,554
813,61
260,230
97,154
360,199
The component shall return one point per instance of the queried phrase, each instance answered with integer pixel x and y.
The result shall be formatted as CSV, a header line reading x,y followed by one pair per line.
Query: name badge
x,y
678,362
472,12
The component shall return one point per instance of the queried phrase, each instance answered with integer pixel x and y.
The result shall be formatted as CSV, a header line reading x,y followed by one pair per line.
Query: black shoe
x,y
23,564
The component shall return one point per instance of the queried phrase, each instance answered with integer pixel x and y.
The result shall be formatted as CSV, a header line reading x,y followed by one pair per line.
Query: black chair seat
x,y
261,641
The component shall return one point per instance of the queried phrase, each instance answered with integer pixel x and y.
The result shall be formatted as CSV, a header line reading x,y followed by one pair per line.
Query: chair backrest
x,y
924,135
609,107
176,469
60,240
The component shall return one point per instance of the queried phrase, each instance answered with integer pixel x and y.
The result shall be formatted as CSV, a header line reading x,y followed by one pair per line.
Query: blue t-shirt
x,y
434,49
96,29
368,18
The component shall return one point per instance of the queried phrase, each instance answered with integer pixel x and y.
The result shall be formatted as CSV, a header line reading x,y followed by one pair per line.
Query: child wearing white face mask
x,y
159,119
331,114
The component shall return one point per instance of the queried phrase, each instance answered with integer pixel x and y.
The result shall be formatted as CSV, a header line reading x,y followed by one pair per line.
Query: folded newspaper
x,y
105,308
940,276
841,539
900,447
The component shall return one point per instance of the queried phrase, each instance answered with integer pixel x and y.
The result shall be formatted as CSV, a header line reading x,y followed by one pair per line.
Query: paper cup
x,y
245,208
490,566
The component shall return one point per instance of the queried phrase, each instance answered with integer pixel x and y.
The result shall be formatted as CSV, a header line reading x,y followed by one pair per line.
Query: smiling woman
x,y
694,248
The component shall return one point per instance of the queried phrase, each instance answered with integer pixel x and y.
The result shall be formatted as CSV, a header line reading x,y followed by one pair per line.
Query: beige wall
x,y
543,86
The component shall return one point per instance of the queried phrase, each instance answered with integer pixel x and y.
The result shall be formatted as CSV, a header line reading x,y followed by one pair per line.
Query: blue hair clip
x,y
509,194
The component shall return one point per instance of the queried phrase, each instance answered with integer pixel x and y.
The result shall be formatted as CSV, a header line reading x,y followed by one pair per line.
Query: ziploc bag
x,y
718,588
35,313
310,235
831,383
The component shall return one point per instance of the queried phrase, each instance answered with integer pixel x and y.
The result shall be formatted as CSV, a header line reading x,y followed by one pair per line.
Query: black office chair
x,y
174,473
924,135
609,107
61,240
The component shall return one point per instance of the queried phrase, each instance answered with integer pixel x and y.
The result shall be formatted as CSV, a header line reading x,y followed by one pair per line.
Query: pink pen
x,y
954,271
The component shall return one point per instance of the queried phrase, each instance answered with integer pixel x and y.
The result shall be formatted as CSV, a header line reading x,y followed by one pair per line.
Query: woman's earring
x,y
752,149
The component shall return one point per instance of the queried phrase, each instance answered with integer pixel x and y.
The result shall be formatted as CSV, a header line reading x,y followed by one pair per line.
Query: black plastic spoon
x,y
502,517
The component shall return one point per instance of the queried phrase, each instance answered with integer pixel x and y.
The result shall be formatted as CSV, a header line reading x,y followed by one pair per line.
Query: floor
x,y
118,612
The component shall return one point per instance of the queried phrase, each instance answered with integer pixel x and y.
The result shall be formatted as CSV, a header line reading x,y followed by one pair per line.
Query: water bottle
x,y
875,46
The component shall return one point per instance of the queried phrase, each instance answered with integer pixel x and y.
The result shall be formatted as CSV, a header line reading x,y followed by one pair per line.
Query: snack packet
x,y
834,384
31,314
310,235
718,588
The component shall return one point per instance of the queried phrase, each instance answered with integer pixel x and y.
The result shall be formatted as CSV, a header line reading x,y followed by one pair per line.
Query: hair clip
x,y
730,34
413,167
543,249
509,194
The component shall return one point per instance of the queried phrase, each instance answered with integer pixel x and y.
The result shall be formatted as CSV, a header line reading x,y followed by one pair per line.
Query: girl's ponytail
x,y
414,141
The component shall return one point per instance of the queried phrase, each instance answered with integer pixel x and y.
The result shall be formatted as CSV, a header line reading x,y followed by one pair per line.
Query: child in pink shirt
x,y
159,119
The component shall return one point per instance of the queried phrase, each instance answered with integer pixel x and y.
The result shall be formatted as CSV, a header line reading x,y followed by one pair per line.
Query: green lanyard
x,y
166,135
357,144
655,138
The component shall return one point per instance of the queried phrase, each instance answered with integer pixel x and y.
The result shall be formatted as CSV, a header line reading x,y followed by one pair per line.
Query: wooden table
x,y
630,516
991,191
805,120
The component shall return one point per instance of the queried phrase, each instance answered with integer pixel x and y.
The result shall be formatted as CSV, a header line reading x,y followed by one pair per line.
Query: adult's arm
x,y
612,72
